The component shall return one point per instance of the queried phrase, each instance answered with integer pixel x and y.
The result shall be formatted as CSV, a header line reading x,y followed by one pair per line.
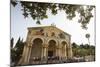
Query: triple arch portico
x,y
44,45
48,48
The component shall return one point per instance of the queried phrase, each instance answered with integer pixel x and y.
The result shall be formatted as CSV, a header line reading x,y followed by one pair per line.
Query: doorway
x,y
50,53
52,48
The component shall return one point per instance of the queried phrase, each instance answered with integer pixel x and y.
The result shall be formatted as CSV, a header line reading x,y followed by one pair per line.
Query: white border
x,y
82,2
5,33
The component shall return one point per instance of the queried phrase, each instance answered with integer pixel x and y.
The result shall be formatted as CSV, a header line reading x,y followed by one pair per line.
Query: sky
x,y
19,25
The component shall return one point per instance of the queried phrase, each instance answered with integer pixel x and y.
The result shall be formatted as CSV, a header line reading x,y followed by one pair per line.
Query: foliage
x,y
87,35
83,49
11,42
14,2
38,11
74,45
16,52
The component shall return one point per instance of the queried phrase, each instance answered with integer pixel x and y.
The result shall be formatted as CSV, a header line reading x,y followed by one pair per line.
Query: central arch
x,y
52,48
36,48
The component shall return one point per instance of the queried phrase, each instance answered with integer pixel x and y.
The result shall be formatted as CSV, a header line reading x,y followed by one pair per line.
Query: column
x,y
65,50
26,55
60,53
57,51
42,52
45,51
45,54
68,52
29,52
22,60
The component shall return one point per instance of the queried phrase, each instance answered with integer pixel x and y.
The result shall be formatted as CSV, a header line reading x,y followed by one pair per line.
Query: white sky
x,y
19,25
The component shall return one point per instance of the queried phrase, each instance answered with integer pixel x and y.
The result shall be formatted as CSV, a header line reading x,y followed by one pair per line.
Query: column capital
x,y
57,47
29,46
45,46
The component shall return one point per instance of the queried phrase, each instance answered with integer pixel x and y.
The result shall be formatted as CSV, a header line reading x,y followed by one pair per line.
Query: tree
x,y
11,42
82,45
88,36
38,11
74,45
16,52
75,49
83,50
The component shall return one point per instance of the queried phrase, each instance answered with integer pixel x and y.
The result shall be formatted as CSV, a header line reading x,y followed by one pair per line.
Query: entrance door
x,y
52,48
50,53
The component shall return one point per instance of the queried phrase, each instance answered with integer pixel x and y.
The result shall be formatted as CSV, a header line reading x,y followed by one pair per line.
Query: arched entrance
x,y
36,49
52,48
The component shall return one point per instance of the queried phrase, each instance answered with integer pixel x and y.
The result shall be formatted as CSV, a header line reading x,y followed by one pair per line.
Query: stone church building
x,y
45,43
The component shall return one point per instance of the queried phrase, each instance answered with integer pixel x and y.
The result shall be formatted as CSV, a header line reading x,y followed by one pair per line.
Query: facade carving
x,y
43,43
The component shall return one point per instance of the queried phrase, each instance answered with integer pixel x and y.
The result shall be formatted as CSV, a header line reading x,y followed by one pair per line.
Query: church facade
x,y
46,43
